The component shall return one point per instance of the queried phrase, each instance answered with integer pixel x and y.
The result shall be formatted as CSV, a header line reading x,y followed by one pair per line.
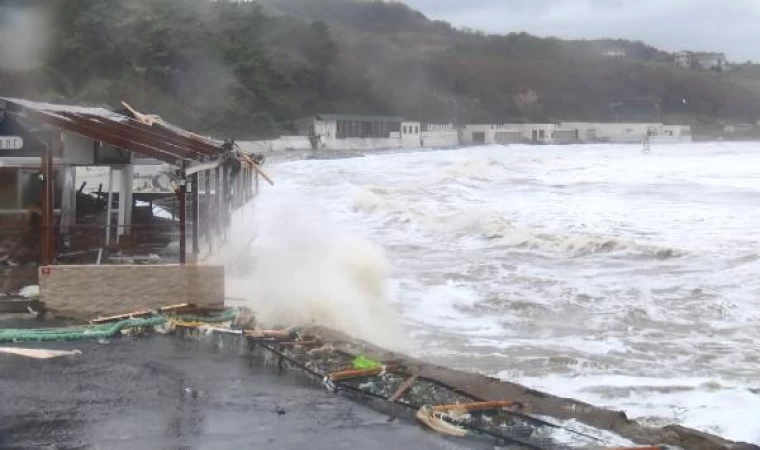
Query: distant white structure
x,y
701,60
344,132
437,135
490,134
628,132
361,132
615,53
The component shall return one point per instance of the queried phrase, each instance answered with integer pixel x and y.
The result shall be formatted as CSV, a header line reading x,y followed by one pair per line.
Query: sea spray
x,y
304,271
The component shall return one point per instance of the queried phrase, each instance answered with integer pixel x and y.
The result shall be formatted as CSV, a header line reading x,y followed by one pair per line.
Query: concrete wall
x,y
505,137
630,132
281,144
363,144
91,291
565,136
440,139
411,134
613,132
542,135
438,127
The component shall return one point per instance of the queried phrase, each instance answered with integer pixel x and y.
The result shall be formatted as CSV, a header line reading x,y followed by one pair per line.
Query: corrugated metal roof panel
x,y
156,138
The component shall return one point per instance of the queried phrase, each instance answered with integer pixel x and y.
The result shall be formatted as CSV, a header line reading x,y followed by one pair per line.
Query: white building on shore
x,y
346,132
628,132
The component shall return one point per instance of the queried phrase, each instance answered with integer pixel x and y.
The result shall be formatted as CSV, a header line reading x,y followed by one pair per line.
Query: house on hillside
x,y
701,60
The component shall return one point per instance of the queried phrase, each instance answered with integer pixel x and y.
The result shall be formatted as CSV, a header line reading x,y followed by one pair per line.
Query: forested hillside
x,y
247,68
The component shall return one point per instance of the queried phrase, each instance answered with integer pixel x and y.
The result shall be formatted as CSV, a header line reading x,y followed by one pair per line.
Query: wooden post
x,y
182,193
207,209
196,215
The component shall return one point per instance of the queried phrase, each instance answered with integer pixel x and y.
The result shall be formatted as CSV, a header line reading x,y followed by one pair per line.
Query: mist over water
x,y
597,272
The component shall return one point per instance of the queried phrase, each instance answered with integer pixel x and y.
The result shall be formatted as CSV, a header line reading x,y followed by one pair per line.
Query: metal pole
x,y
225,197
207,209
196,214
182,219
45,253
218,198
109,209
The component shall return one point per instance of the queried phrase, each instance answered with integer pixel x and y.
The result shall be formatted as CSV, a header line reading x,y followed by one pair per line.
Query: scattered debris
x,y
142,313
38,353
30,292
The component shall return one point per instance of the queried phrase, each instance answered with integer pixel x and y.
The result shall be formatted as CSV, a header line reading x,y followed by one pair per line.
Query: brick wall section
x,y
91,291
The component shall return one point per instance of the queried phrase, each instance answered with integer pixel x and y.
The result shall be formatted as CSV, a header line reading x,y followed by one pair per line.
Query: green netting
x,y
106,331
78,333
363,363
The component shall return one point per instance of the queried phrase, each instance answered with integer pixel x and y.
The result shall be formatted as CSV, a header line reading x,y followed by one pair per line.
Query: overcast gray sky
x,y
730,26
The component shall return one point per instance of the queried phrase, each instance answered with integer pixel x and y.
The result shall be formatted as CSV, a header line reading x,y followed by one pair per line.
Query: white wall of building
x,y
540,133
78,149
506,136
629,132
438,127
360,144
612,132
440,139
411,134
564,136
326,129
281,144
470,134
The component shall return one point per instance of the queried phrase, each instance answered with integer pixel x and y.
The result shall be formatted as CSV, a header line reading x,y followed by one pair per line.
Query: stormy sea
x,y
599,272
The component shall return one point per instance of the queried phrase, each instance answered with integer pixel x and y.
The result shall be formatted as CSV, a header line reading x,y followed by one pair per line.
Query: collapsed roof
x,y
146,135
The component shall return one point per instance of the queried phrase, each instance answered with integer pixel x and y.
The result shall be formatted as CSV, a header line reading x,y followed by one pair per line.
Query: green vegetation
x,y
247,68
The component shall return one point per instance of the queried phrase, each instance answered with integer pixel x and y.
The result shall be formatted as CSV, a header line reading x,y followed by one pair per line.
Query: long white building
x,y
628,132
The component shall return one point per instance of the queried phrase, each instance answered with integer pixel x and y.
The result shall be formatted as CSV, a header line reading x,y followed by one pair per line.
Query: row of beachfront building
x,y
359,132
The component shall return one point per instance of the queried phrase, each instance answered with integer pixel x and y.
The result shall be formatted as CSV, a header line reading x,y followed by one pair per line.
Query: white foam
x,y
305,272
565,264
702,403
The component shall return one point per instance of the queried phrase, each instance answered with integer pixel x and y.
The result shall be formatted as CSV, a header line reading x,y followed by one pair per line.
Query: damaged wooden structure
x,y
47,226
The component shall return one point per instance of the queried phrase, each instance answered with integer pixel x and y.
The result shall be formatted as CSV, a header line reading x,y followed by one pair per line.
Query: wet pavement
x,y
165,393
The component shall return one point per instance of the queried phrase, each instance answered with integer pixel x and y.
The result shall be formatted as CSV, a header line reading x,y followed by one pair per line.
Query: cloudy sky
x,y
730,26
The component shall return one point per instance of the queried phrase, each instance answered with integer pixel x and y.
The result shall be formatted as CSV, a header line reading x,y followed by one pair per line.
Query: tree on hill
x,y
247,69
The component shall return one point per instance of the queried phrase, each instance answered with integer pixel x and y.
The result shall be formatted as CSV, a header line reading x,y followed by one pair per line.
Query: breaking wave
x,y
304,273
490,225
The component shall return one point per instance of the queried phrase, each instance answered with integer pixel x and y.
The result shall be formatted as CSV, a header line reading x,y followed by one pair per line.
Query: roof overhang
x,y
154,139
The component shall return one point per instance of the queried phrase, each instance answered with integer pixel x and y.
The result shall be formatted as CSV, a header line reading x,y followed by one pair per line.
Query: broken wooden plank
x,y
270,334
348,374
142,313
479,406
405,386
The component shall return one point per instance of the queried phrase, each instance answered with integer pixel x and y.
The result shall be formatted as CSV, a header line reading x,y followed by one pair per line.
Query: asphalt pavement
x,y
166,393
